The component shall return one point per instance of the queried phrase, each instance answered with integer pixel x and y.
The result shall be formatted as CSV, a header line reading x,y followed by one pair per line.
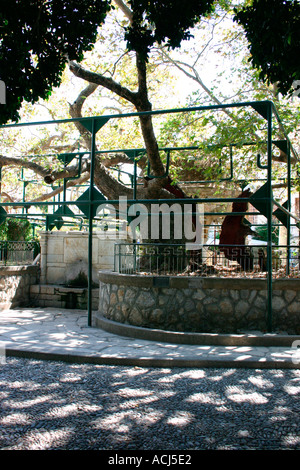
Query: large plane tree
x,y
39,38
50,34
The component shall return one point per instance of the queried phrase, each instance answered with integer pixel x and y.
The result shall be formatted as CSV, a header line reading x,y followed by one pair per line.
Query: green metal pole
x,y
269,219
90,238
289,207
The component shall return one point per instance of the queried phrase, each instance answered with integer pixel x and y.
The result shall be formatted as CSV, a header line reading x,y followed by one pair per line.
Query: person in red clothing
x,y
234,231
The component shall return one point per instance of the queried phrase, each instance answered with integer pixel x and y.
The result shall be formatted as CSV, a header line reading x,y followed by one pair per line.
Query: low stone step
x,y
245,339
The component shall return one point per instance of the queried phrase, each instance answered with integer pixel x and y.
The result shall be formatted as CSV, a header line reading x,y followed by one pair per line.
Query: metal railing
x,y
209,260
15,253
147,257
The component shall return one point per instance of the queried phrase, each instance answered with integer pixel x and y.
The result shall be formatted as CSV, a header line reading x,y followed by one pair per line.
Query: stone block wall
x,y
190,304
15,282
65,254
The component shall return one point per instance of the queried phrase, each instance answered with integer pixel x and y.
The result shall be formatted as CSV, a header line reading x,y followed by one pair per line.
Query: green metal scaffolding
x,y
263,200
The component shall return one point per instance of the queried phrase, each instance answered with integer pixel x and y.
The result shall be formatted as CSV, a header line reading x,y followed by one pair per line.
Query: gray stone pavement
x,y
59,334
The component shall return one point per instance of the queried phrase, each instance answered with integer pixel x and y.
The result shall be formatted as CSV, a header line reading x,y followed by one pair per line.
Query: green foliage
x,y
262,234
163,21
297,178
14,229
81,280
214,132
45,35
273,30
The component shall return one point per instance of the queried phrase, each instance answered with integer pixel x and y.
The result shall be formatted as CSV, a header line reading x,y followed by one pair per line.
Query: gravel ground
x,y
62,406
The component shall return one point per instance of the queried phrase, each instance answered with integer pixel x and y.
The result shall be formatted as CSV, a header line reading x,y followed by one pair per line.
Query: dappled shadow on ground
x,y
52,405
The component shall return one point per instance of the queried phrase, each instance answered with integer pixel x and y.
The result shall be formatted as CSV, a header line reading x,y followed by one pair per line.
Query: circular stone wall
x,y
193,304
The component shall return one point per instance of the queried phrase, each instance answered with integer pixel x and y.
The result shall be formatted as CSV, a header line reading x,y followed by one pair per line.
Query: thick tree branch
x,y
70,171
59,190
20,162
106,82
125,9
143,104
104,181
75,112
107,184
138,99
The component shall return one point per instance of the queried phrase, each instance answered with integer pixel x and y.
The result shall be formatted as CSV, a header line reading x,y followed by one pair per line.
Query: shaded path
x,y
57,405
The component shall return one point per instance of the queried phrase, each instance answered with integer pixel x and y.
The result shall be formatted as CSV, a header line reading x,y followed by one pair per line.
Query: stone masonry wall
x,y
15,282
199,304
65,254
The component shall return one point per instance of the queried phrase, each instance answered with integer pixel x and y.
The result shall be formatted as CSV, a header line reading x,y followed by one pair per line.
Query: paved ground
x,y
102,391
49,405
64,334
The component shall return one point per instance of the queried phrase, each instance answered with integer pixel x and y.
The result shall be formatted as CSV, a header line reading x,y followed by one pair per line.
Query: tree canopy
x,y
163,21
48,34
273,30
36,39
69,30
